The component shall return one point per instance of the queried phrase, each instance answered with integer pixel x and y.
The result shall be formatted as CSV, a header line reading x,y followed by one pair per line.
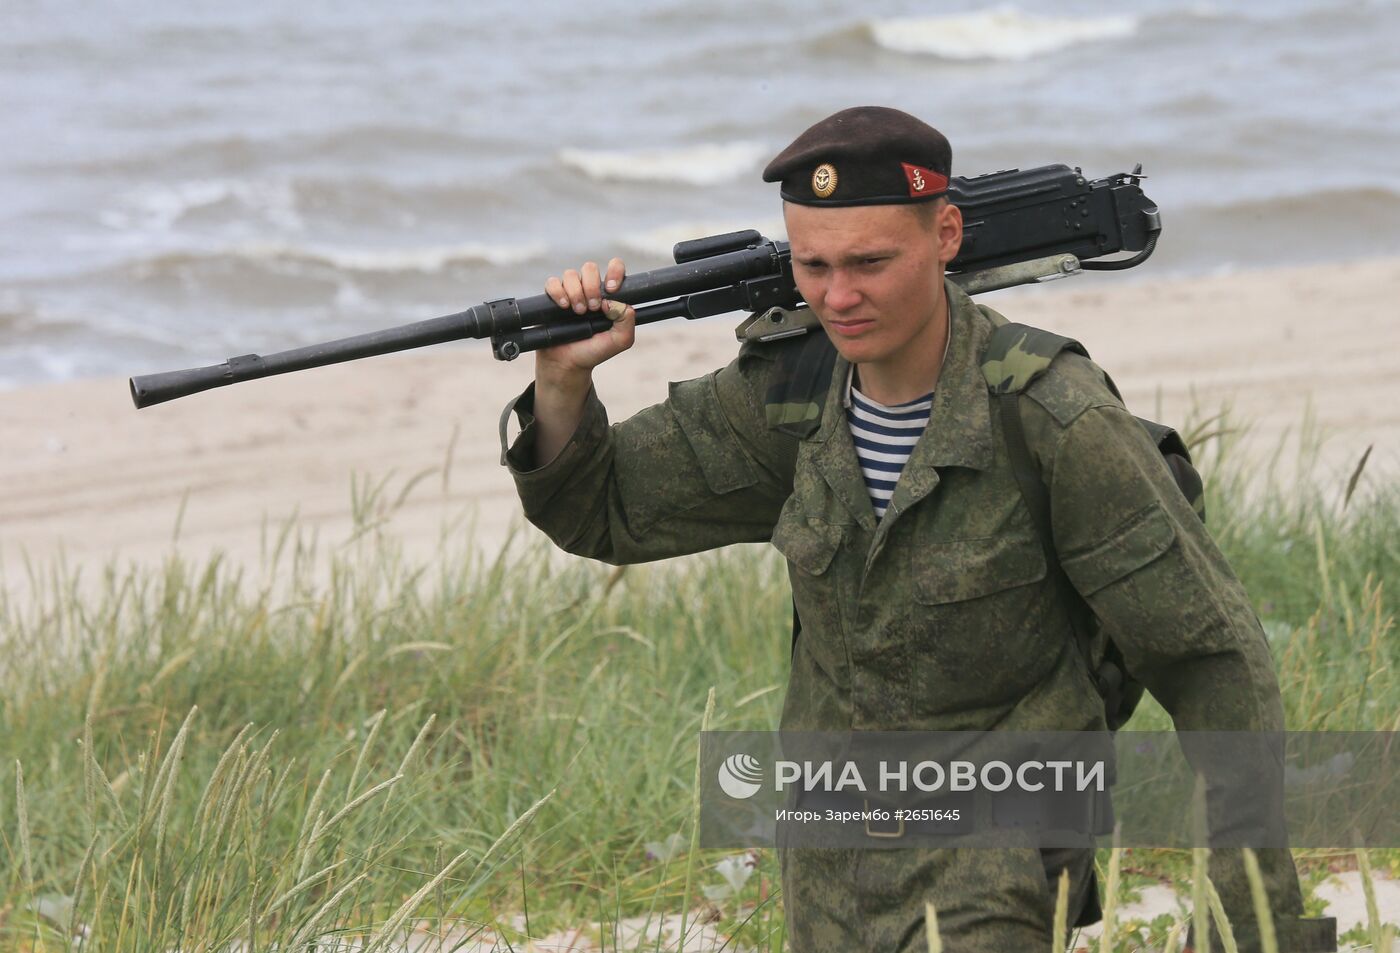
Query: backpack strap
x,y
1016,355
798,386
796,394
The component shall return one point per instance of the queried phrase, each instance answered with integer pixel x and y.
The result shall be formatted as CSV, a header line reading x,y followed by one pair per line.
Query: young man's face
x,y
873,274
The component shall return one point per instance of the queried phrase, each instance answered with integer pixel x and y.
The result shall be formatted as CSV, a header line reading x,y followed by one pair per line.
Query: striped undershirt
x,y
884,438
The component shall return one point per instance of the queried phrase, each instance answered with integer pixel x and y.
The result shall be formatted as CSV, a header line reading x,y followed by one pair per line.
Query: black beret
x,y
868,155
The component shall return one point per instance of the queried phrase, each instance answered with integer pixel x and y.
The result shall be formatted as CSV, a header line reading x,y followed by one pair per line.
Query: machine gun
x,y
1019,227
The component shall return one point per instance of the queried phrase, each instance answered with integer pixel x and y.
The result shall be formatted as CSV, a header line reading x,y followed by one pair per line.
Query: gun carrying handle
x,y
507,347
510,346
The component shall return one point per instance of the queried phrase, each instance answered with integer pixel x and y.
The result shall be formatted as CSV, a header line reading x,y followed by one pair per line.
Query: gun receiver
x,y
1019,227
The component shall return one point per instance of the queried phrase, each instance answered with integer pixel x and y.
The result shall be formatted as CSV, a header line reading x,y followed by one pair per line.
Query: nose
x,y
841,292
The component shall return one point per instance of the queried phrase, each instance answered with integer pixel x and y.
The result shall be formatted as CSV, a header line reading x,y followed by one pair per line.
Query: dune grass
x,y
338,744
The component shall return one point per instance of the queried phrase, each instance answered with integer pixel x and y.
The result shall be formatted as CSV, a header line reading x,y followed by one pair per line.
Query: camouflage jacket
x,y
942,615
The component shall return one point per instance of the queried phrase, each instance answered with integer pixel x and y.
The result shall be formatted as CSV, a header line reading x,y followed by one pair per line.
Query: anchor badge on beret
x,y
923,181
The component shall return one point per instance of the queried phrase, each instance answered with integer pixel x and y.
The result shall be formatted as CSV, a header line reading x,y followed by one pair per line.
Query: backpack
x,y
1016,355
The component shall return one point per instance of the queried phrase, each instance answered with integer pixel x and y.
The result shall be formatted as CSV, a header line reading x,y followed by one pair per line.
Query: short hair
x,y
926,212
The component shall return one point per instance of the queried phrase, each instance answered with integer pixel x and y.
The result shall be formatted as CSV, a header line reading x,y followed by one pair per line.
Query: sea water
x,y
184,181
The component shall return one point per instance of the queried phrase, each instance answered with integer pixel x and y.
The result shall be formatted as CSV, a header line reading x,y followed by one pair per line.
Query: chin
x,y
855,350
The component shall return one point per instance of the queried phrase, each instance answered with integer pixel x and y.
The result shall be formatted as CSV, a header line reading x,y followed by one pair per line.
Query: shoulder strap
x,y
796,394
1016,355
799,385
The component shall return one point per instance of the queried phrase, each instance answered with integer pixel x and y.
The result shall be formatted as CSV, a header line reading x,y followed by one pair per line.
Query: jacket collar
x,y
959,432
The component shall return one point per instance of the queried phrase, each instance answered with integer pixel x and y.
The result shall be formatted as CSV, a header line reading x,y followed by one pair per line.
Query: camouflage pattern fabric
x,y
1018,354
941,616
1024,359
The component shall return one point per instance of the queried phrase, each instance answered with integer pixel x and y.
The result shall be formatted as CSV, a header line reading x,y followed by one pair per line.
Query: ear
x,y
948,232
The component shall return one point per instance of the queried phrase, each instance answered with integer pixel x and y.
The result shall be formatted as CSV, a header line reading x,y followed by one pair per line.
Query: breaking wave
x,y
1003,33
159,207
428,259
289,204
708,164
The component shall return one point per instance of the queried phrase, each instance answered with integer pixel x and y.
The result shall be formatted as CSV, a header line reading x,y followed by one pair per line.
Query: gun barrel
x,y
148,389
482,321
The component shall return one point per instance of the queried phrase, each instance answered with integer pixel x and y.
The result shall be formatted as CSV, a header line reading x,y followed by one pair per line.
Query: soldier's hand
x,y
581,291
564,373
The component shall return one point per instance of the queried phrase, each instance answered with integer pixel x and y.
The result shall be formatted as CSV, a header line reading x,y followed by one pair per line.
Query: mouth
x,y
850,328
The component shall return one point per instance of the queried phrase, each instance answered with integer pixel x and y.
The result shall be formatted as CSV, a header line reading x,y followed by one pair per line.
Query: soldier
x,y
922,588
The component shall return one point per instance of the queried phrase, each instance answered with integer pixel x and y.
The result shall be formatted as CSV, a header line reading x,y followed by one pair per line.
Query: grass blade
x,y
1268,941
1060,930
935,941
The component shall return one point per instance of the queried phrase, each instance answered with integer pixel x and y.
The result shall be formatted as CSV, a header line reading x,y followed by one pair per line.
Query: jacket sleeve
x,y
697,471
1143,560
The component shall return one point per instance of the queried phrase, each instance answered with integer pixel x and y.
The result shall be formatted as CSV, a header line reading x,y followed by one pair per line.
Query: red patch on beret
x,y
922,181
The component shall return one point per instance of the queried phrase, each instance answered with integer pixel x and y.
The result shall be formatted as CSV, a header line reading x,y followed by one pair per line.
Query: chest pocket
x,y
964,569
976,633
808,544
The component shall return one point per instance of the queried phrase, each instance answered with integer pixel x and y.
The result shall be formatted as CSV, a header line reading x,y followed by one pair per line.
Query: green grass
x,y
339,742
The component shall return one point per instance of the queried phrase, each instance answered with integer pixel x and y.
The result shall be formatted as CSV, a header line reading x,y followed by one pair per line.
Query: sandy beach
x,y
89,479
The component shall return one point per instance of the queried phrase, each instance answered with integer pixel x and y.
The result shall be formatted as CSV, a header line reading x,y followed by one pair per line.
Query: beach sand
x,y
89,479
